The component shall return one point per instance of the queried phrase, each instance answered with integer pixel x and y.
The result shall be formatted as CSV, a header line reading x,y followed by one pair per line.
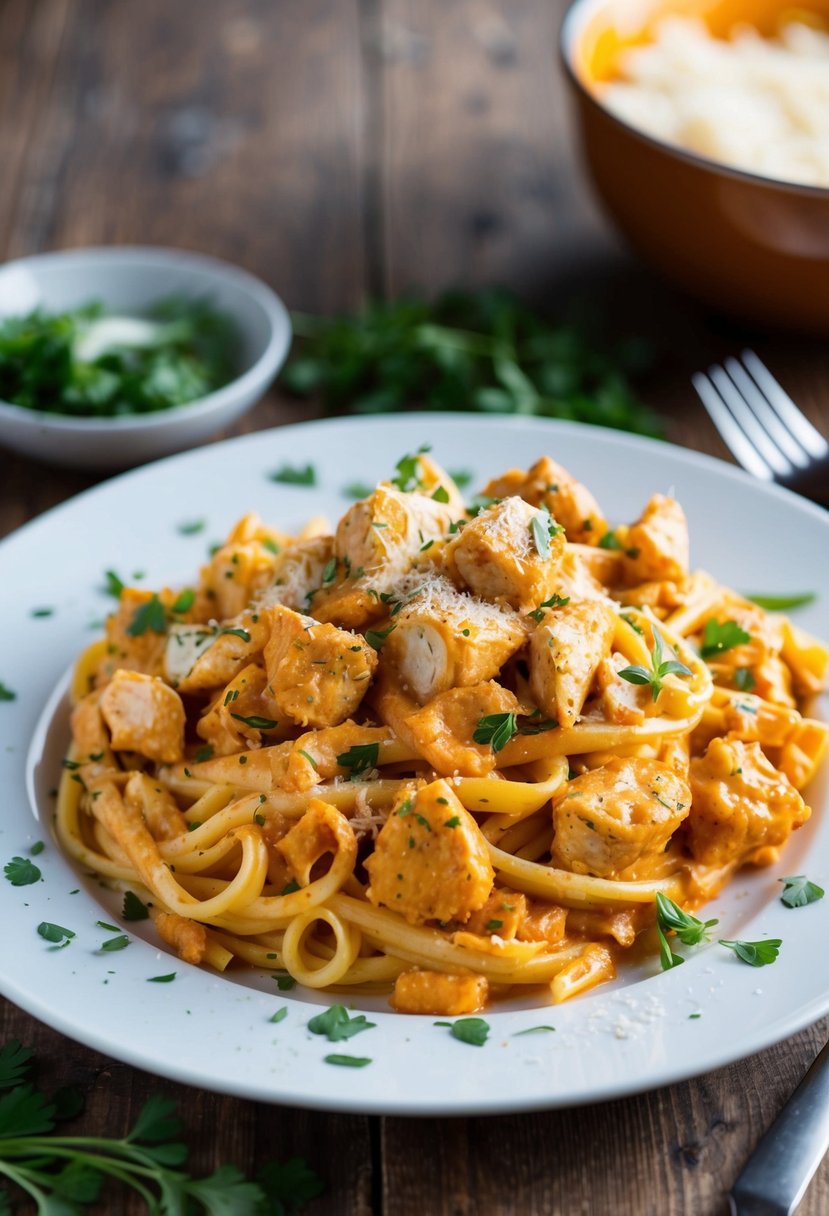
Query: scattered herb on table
x,y
21,872
798,891
783,603
336,1024
756,954
347,1061
473,1031
290,476
482,351
66,1174
87,364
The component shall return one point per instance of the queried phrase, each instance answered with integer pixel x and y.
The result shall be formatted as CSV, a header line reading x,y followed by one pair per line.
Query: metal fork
x,y
766,432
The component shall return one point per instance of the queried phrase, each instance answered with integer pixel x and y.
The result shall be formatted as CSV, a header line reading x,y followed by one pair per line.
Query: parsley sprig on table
x,y
481,351
65,1174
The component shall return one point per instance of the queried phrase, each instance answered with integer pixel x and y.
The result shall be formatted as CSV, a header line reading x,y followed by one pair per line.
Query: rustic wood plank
x,y
204,126
671,1152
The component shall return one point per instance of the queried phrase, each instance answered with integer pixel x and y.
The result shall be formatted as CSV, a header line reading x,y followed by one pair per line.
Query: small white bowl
x,y
128,280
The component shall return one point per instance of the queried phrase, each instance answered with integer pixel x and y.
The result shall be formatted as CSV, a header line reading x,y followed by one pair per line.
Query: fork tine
x,y
732,435
747,422
767,416
785,408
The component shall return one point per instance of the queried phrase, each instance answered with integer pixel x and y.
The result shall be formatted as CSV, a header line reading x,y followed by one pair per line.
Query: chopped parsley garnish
x,y
360,757
42,612
290,887
718,637
532,1030
6,694
798,891
184,601
242,634
461,478
329,572
782,603
408,471
660,668
336,1024
280,1015
133,907
744,679
495,729
55,933
37,848
441,494
454,822
377,637
255,722
610,541
357,489
203,753
288,475
115,943
494,924
192,527
555,601
690,930
756,954
150,616
285,982
473,1031
113,585
347,1061
21,872
162,979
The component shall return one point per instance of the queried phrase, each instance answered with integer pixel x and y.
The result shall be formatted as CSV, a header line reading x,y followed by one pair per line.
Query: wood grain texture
x,y
341,148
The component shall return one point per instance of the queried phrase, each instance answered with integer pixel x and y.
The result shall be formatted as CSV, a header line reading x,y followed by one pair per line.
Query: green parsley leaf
x,y
113,585
798,891
192,527
347,1061
37,848
14,1064
408,472
6,693
255,722
783,603
756,954
667,957
280,1015
441,494
532,1030
609,541
336,1024
134,908
376,637
473,1031
329,572
659,668
360,757
689,929
290,887
288,475
42,612
236,633
203,753
55,933
555,601
495,729
150,616
357,489
285,982
162,979
454,822
184,601
542,528
21,872
114,943
718,637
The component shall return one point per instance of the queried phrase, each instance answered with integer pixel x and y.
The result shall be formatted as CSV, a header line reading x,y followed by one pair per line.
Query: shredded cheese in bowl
x,y
757,104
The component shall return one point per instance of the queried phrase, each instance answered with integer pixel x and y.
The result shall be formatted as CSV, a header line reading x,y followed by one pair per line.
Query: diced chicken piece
x,y
550,485
802,754
543,923
443,730
441,995
317,674
443,638
431,861
566,648
507,553
585,573
241,713
187,937
503,913
656,546
383,535
144,715
322,829
298,573
743,809
137,632
617,815
203,656
89,730
656,595
807,659
350,603
157,805
244,565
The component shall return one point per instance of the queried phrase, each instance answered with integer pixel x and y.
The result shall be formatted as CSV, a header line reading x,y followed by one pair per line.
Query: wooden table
x,y
343,149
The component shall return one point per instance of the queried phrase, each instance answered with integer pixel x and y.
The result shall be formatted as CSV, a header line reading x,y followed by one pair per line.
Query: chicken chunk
x,y
743,809
503,913
656,546
298,573
510,551
205,656
617,815
144,715
431,861
383,534
566,648
240,713
548,484
443,730
441,995
322,829
443,638
318,674
244,565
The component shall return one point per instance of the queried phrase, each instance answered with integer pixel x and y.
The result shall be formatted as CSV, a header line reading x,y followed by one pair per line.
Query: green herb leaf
x,y
347,1061
441,494
666,955
798,891
360,757
289,1186
357,489
255,722
744,679
532,1030
555,601
336,1024
756,954
6,693
42,612
162,979
610,541
192,527
659,668
377,637
473,1031
21,872
495,729
184,601
133,908
408,472
783,603
55,933
150,616
721,636
290,476
115,943
280,1015
113,585
689,929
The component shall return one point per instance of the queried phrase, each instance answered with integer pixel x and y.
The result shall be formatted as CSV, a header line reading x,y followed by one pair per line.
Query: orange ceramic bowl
x,y
745,244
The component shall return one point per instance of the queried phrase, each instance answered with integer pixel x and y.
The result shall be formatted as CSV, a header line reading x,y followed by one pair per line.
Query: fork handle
x,y
781,1167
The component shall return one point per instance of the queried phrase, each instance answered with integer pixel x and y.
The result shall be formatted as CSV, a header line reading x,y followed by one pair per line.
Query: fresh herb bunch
x,y
191,350
484,351
63,1175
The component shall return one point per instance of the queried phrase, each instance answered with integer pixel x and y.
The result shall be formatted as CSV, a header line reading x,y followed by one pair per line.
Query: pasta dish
x,y
444,751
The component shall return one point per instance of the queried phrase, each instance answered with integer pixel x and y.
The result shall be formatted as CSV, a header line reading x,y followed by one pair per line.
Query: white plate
x,y
215,1032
